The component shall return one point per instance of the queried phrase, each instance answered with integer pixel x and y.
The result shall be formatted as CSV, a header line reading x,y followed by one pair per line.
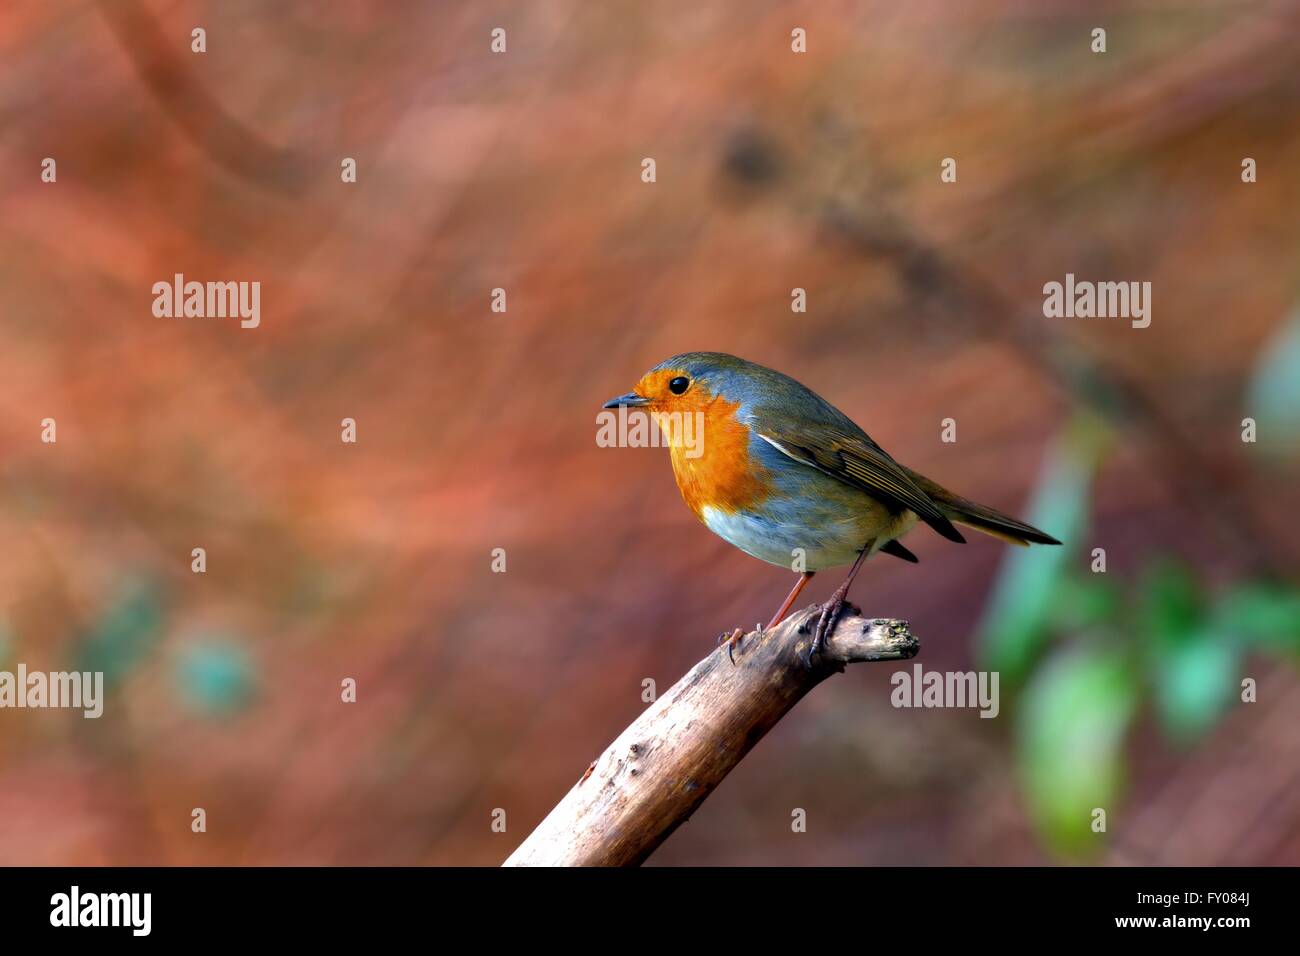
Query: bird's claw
x,y
732,640
735,638
825,624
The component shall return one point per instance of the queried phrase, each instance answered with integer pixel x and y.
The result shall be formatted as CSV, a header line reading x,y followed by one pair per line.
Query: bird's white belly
x,y
835,542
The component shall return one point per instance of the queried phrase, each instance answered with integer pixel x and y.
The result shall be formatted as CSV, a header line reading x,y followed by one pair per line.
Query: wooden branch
x,y
659,770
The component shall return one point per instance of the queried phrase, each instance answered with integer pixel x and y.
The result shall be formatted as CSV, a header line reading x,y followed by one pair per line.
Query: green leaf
x,y
1172,607
1070,734
125,635
215,676
1273,398
1192,664
1194,681
1015,622
1085,601
1262,616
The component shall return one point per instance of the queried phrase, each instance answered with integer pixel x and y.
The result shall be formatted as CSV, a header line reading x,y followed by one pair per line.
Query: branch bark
x,y
659,770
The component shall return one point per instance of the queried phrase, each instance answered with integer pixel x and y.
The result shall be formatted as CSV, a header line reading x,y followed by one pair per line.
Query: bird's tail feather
x,y
997,524
980,517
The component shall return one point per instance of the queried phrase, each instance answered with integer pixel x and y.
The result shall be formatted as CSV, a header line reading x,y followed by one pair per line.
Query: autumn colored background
x,y
476,429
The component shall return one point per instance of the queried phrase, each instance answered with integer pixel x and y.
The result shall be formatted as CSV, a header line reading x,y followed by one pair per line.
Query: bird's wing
x,y
853,459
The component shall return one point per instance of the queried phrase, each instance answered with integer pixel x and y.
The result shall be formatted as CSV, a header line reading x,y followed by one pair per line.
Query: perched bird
x,y
775,469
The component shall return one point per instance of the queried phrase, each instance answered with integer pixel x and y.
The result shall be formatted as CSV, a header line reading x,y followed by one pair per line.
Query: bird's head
x,y
690,394
688,383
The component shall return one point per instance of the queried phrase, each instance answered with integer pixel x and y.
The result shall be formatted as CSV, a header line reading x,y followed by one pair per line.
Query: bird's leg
x,y
733,639
779,616
831,610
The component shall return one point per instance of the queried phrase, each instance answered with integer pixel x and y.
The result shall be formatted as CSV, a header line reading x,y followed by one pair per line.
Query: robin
x,y
780,472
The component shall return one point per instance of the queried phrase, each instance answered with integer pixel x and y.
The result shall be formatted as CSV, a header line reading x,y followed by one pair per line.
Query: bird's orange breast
x,y
714,469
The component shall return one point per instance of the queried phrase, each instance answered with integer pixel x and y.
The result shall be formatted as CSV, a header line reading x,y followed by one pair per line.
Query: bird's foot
x,y
735,639
731,641
825,625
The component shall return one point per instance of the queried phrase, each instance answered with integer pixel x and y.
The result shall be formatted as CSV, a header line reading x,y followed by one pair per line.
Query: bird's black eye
x,y
678,385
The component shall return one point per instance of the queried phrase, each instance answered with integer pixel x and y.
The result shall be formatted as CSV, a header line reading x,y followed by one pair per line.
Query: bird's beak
x,y
630,400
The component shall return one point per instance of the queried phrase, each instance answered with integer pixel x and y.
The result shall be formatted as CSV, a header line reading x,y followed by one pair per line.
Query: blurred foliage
x,y
1274,395
1262,615
126,634
1103,650
1011,633
215,676
1071,732
1086,652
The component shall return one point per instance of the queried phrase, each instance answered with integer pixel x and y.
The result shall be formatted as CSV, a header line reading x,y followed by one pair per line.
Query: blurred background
x,y
476,429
